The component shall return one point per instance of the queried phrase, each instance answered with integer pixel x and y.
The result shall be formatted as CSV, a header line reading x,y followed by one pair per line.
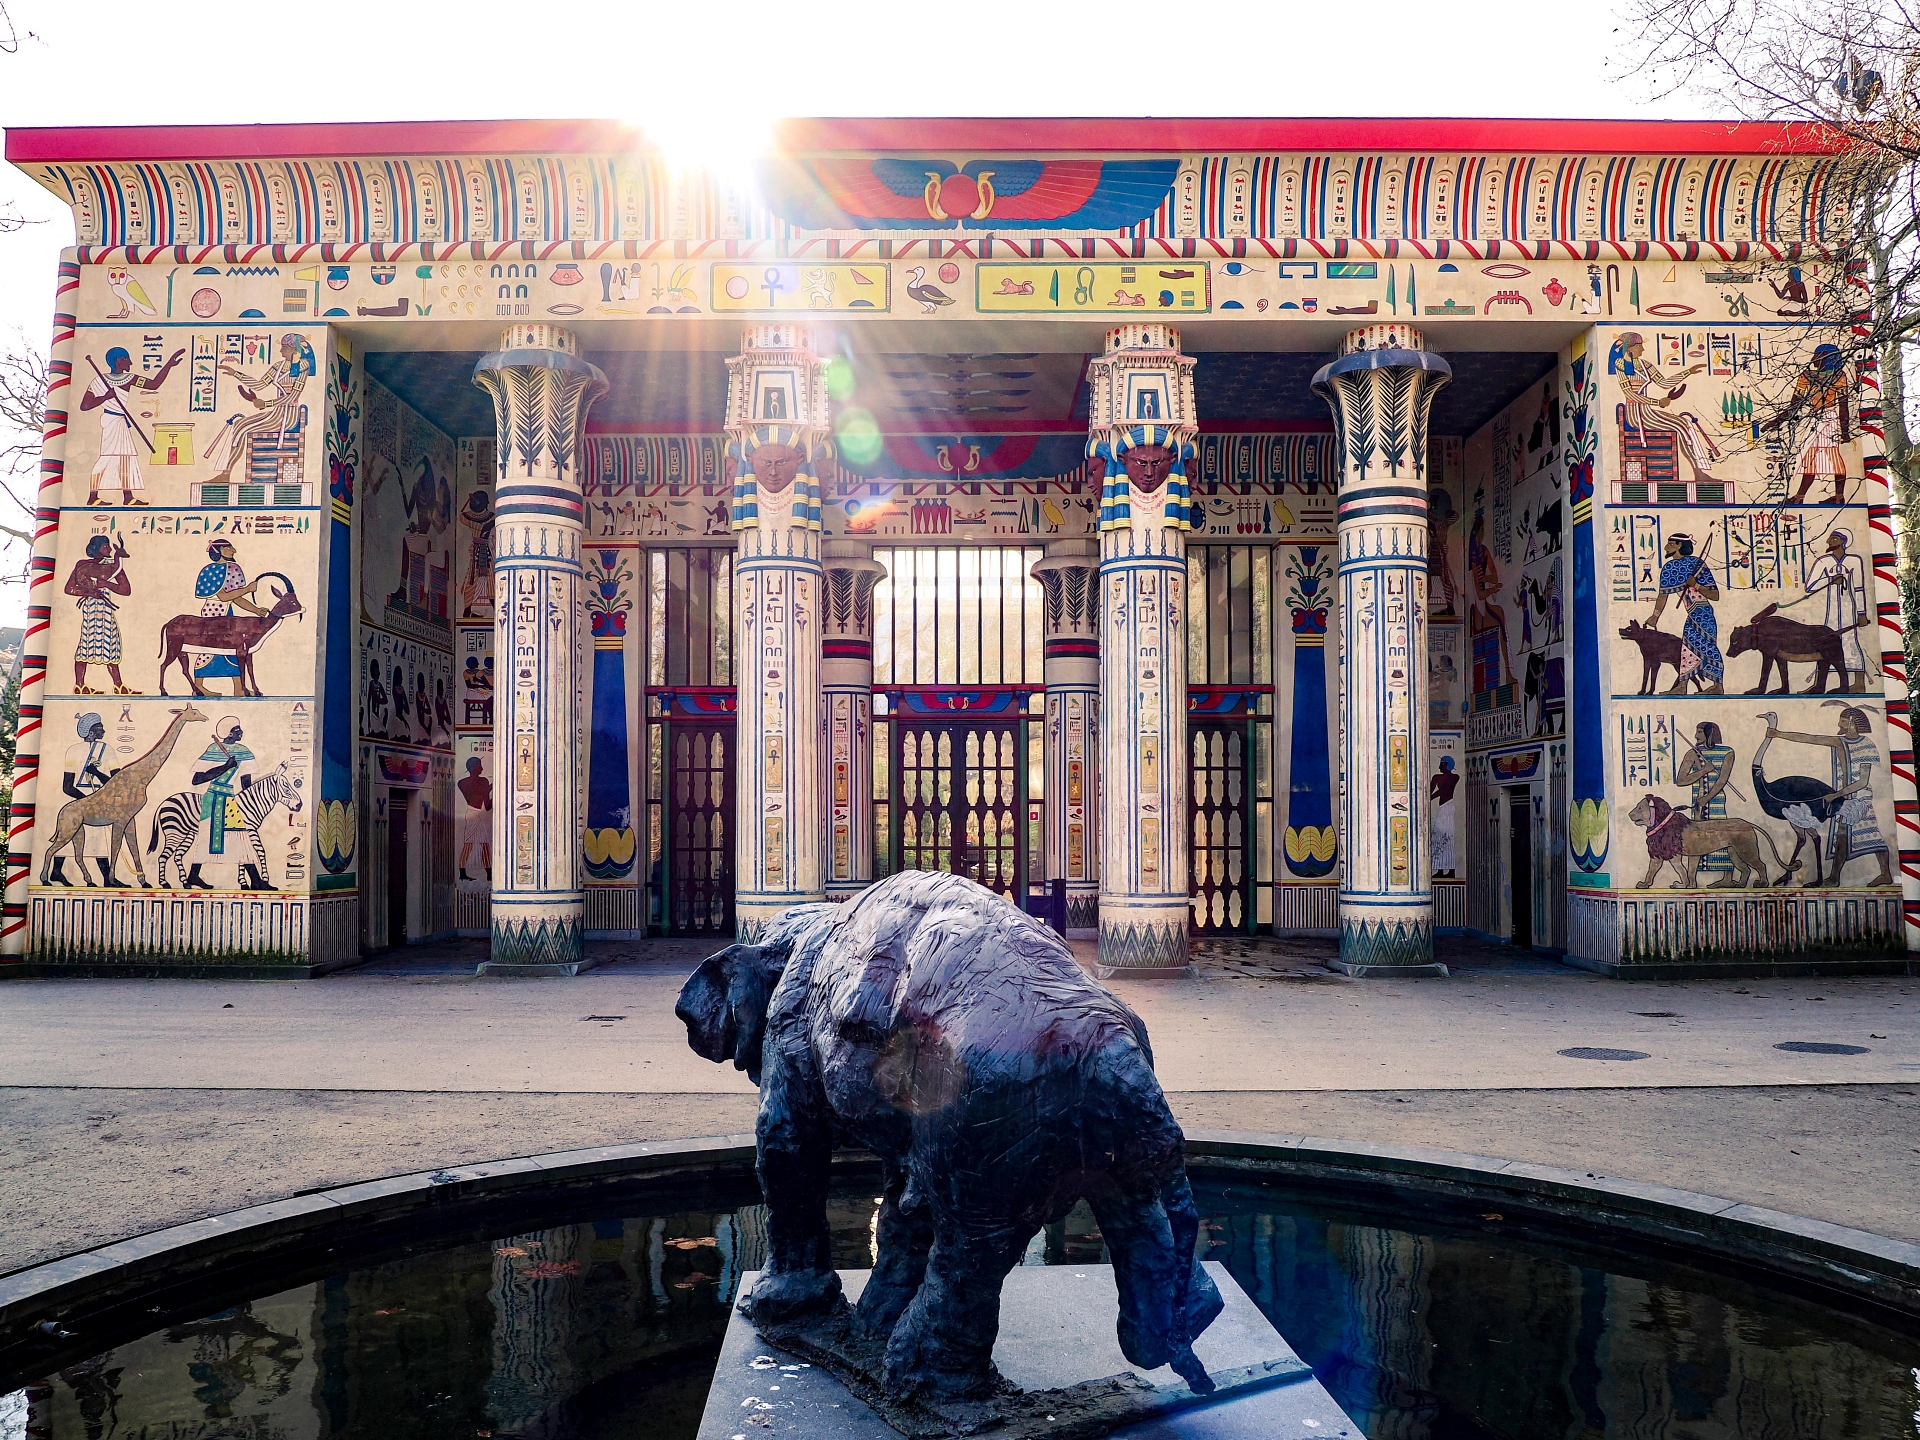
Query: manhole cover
x,y
1820,1047
1600,1052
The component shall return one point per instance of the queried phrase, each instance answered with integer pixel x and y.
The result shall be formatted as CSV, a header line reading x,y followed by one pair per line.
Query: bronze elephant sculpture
x,y
935,1025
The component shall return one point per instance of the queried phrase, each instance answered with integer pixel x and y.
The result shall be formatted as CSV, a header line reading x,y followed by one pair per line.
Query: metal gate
x,y
1220,812
960,799
699,879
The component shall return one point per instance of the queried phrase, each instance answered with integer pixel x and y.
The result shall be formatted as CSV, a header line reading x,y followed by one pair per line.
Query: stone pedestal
x,y
846,687
1070,579
777,432
541,391
1056,1330
1141,438
1380,390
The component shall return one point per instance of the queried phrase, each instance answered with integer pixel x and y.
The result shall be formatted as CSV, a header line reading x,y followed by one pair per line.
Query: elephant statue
x,y
935,1025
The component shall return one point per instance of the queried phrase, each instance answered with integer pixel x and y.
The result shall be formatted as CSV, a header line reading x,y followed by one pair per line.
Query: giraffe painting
x,y
113,806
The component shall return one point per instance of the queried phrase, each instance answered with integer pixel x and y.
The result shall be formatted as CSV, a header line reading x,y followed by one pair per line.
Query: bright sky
x,y
705,78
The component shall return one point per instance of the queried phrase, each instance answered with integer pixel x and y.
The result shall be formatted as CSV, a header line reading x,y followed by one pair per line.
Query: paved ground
x,y
125,1105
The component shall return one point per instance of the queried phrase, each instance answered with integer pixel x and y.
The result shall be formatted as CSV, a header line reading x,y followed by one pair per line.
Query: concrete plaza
x,y
128,1105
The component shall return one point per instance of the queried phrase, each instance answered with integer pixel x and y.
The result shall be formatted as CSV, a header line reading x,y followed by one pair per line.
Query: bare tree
x,y
1845,80
11,38
24,375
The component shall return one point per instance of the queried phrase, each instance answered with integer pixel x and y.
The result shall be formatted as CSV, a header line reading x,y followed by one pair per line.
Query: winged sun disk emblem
x,y
944,191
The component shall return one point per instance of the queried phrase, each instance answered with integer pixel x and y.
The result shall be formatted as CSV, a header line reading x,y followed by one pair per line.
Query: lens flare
x,y
858,435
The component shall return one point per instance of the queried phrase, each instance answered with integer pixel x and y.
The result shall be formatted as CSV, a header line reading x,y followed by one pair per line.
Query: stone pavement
x,y
126,1105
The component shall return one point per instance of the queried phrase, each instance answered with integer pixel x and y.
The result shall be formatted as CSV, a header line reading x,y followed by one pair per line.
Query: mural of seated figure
x,y
935,1025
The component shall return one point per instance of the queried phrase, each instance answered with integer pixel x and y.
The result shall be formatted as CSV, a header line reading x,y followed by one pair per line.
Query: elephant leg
x,y
1166,1298
905,1234
795,1135
943,1343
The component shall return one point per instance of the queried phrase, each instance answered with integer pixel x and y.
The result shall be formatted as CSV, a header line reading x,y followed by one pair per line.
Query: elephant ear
x,y
724,1007
703,1008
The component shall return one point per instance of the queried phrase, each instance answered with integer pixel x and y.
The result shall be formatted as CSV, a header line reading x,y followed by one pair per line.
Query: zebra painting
x,y
179,819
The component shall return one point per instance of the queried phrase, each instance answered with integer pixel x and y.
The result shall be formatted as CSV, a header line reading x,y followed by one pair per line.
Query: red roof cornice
x,y
978,136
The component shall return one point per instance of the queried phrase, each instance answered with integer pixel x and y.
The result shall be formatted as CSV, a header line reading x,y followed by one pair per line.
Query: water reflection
x,y
611,1328
1422,1335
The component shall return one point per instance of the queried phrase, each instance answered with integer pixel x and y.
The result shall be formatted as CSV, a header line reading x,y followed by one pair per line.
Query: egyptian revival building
x,y
1181,527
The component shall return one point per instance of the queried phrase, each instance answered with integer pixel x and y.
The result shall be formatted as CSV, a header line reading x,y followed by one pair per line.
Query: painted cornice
x,y
1027,183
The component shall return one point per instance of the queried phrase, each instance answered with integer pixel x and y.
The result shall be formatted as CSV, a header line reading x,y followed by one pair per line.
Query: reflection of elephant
x,y
932,1023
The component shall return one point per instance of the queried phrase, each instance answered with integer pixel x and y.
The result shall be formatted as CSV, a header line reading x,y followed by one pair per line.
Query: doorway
x,y
1520,862
399,868
1219,879
959,800
700,803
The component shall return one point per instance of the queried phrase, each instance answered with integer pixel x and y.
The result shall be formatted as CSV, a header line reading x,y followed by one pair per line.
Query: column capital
x,y
779,434
846,624
541,389
1071,548
845,549
1380,389
1141,423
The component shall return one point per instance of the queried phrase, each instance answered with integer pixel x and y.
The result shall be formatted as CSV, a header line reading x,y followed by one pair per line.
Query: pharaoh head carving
x,y
775,466
1148,467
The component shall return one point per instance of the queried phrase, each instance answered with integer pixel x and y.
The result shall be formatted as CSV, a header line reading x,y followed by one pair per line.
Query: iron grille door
x,y
700,827
1220,877
959,801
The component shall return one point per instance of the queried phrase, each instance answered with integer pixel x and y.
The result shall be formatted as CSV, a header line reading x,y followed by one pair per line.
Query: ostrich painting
x,y
1800,800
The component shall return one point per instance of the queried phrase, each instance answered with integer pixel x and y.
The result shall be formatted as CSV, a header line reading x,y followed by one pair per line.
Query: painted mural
x,y
473,670
1733,592
410,697
188,588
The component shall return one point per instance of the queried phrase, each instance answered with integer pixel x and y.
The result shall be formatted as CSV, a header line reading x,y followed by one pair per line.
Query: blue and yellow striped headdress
x,y
746,488
1116,498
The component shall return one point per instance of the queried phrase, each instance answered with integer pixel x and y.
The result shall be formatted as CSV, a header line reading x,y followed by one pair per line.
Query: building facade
x,y
1180,527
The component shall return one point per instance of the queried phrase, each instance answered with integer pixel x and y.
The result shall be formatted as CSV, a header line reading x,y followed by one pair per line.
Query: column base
x,y
1142,942
1373,943
752,914
544,935
1083,912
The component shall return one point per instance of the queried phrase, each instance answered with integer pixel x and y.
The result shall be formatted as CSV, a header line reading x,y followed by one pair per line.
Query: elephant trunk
x,y
1166,1297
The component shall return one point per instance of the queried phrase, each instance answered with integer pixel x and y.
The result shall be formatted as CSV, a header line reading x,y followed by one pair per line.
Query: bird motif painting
x,y
1803,802
931,297
132,295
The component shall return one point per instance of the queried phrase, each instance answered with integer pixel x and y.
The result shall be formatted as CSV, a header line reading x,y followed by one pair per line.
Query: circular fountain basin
x,y
586,1294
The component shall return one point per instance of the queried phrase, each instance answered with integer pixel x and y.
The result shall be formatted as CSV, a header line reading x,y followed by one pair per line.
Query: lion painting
x,y
1675,839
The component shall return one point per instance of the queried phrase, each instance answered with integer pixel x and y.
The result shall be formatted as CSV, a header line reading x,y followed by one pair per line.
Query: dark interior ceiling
x,y
955,394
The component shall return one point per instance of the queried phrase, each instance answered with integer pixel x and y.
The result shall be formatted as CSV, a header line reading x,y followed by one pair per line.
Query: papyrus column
x,y
846,688
1070,579
1142,421
777,431
541,391
1380,390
